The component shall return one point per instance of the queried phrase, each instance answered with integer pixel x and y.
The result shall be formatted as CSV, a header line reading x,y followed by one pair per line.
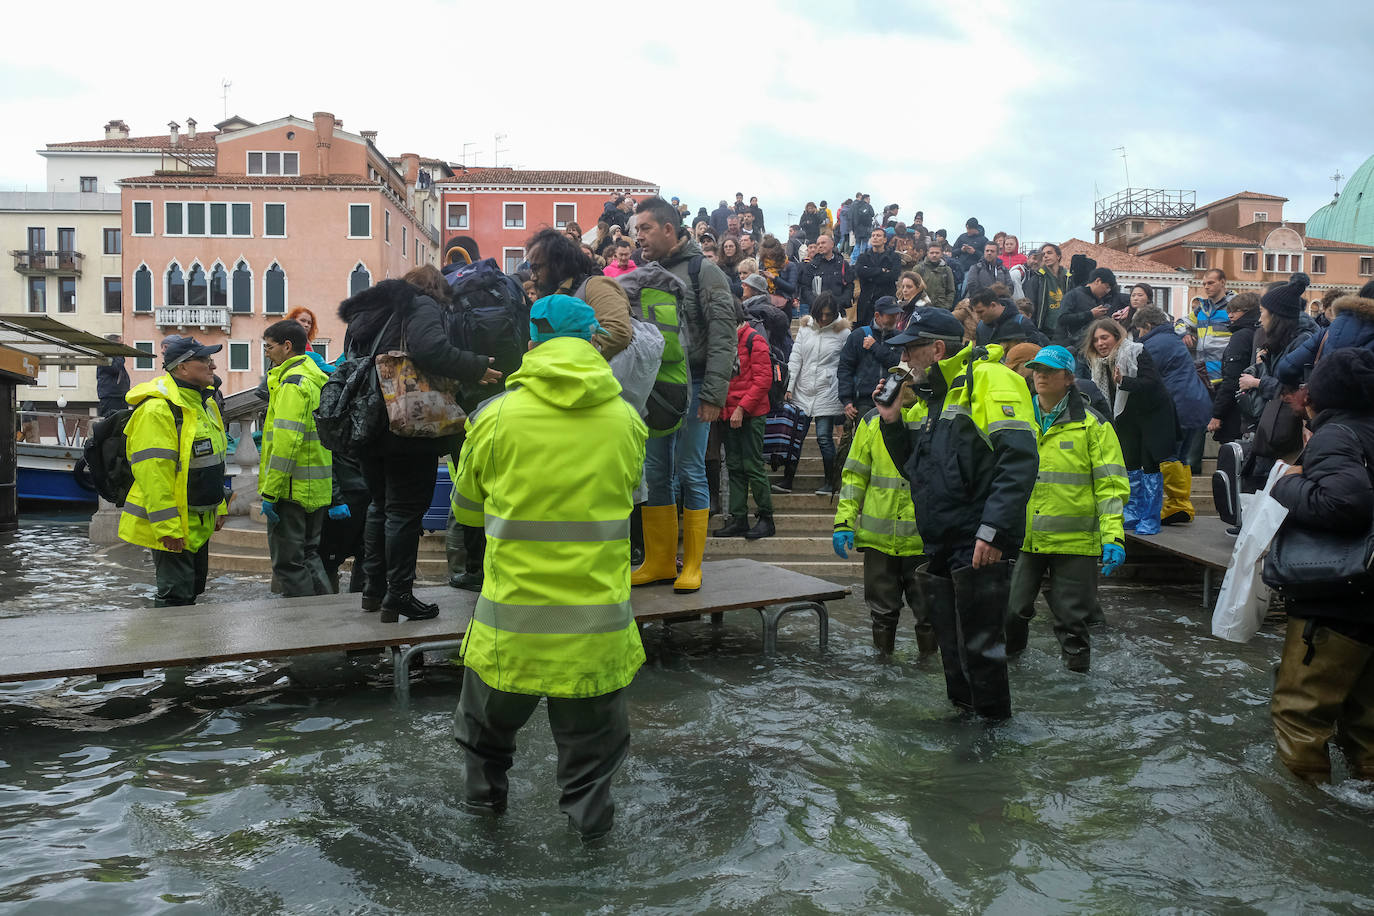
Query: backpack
x,y
106,454
777,392
351,414
656,296
490,315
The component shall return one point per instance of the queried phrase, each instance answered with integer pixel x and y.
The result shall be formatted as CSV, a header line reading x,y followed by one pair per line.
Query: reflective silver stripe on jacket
x,y
278,463
161,515
462,502
311,473
554,619
1064,524
294,425
1068,478
887,527
998,425
1111,506
852,491
206,461
892,483
1109,470
528,530
857,466
144,454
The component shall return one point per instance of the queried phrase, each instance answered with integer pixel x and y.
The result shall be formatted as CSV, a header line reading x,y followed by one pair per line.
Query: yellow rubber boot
x,y
660,546
1178,493
693,548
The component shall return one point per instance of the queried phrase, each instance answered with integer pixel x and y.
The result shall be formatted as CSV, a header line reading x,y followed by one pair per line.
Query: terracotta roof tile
x,y
1330,245
1113,259
598,179
191,178
1253,195
204,139
1212,237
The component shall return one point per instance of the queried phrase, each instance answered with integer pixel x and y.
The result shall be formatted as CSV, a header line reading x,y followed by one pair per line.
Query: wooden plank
x,y
93,642
1203,540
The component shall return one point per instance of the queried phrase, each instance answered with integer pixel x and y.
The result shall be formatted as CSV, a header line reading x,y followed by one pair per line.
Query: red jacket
x,y
749,388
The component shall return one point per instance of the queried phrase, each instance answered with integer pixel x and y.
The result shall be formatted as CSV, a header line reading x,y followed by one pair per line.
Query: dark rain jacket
x,y
1235,359
1178,372
1010,326
1352,325
877,272
859,368
981,275
710,322
834,275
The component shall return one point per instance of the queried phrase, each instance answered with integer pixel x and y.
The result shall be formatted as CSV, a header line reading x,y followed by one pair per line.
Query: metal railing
x,y
32,261
1143,203
204,316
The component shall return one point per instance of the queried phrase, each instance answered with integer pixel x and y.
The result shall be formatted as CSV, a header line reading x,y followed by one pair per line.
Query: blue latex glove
x,y
1113,555
340,512
842,541
269,510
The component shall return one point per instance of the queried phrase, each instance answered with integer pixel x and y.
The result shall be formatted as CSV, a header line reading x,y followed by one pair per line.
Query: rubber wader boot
x,y
827,468
884,638
980,601
660,546
925,639
1310,695
789,471
713,485
939,593
637,536
1151,504
693,549
1018,633
1130,516
1178,493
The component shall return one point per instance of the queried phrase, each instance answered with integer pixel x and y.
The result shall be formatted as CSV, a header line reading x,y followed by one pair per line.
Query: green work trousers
x,y
744,462
592,735
180,576
888,582
1072,597
294,545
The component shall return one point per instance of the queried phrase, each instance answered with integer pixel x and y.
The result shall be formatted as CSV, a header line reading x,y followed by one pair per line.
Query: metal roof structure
x,y
56,343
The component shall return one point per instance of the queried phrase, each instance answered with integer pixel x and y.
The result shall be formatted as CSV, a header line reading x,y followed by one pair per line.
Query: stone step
x,y
792,547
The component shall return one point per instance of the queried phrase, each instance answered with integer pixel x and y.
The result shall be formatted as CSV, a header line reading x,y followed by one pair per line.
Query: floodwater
x,y
795,785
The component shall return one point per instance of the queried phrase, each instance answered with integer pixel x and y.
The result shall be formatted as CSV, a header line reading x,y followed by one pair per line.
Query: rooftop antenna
x,y
465,152
1336,178
497,150
1124,164
224,94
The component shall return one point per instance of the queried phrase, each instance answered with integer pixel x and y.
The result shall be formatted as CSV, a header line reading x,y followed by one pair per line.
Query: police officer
x,y
976,461
875,514
550,467
294,476
176,448
1075,512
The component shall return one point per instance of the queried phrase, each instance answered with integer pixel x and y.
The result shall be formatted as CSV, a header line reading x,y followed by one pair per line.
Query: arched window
x,y
219,286
143,289
243,289
274,296
196,287
359,280
176,285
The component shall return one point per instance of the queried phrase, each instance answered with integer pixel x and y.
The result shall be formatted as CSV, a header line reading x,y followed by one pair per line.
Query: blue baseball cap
x,y
563,316
1052,357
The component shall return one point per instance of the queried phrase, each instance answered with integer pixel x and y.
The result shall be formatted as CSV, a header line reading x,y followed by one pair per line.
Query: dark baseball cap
x,y
928,325
887,305
181,349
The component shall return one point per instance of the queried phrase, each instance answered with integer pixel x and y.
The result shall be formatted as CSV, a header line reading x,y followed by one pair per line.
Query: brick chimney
x,y
324,140
410,166
116,130
190,128
175,136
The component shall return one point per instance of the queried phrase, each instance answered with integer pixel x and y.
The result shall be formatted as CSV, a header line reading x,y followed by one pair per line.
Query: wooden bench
x,y
1202,541
119,642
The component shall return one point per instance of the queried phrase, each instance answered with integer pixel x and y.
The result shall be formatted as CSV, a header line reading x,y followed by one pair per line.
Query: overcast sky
x,y
1005,111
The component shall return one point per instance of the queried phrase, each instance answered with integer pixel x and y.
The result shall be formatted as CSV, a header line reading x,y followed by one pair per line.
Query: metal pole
x,y
9,460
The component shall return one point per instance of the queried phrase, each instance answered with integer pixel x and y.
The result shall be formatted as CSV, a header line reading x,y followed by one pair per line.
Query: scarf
x,y
1125,357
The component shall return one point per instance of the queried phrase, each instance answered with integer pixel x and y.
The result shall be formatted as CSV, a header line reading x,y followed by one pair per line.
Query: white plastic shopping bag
x,y
1244,598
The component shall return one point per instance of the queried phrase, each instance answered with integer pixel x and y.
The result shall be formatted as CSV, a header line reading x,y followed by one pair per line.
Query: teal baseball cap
x,y
563,316
1053,357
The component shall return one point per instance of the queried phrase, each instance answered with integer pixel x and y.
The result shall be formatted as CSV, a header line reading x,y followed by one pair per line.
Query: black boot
x,y
762,529
980,600
884,638
408,606
785,485
1018,634
826,488
939,598
713,485
636,537
737,526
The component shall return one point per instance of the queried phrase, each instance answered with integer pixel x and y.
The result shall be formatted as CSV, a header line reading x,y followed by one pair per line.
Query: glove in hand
x,y
842,541
269,511
340,512
1113,555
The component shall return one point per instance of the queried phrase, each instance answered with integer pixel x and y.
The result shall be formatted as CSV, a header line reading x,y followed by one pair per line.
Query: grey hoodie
x,y
711,339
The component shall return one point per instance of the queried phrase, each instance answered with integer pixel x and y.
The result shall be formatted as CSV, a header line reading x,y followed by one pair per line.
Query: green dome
x,y
1350,218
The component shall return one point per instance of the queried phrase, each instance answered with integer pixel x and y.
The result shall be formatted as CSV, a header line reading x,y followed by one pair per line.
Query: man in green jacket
x,y
549,468
294,477
939,279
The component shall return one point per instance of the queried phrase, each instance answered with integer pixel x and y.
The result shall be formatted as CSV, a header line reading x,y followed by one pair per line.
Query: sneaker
x,y
782,488
763,529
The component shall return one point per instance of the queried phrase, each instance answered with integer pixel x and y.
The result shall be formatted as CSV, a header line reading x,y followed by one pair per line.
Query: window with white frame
x,y
1318,263
38,294
274,291
418,252
241,290
143,217
219,219
1249,261
143,289
173,216
564,214
66,294
144,362
197,287
405,241
240,356
1366,265
274,221
512,258
360,221
267,162
66,376
195,219
1199,259
1295,264
321,346
176,286
219,286
1261,216
114,294
89,185
457,216
1275,263
359,280
514,216
241,219
386,226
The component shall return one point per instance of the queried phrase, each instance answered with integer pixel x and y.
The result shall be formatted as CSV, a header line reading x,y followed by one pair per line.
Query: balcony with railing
x,y
192,316
31,261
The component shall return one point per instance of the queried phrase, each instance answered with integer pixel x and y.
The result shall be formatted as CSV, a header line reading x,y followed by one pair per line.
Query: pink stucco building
x,y
279,215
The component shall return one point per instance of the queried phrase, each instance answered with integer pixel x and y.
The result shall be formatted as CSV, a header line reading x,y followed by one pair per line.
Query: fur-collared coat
x,y
1352,325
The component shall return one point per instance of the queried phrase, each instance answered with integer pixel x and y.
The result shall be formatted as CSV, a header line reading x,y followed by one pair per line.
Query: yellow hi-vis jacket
x,y
549,468
178,485
875,499
294,465
1081,489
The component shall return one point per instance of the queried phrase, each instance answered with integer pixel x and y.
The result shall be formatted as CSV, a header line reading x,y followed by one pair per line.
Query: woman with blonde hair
x,y
911,295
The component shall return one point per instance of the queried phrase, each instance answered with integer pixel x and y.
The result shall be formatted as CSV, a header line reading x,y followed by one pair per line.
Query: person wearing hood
x,y
999,320
1228,422
401,471
295,478
549,468
813,382
1324,689
1351,325
175,446
1096,298
759,307
708,314
866,358
972,464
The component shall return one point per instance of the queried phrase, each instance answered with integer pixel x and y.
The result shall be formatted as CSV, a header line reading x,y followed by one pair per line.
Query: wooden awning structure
x,y
54,342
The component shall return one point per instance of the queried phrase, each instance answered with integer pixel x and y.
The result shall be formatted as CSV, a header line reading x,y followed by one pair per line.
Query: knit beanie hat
x,y
1367,291
1286,301
1343,379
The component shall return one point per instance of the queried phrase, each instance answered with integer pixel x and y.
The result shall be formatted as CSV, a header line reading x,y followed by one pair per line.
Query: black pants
x,y
342,539
592,735
888,581
180,576
402,487
294,545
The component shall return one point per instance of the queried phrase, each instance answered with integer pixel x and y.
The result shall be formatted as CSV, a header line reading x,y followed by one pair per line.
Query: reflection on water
x,y
790,786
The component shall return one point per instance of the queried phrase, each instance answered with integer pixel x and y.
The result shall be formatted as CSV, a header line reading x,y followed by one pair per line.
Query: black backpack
x,y
351,414
777,392
106,455
490,315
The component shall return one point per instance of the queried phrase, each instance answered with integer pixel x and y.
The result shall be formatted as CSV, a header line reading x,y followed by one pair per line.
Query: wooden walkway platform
x,y
117,642
1203,542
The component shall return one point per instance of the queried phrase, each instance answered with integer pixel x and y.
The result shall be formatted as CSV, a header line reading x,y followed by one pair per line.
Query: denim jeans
x,y
859,248
1188,449
680,459
825,434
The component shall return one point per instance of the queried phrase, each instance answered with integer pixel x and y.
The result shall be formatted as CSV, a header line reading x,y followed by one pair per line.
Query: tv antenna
x,y
1124,164
1336,178
224,94
465,152
497,150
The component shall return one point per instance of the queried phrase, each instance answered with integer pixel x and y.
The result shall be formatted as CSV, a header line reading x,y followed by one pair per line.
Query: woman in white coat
x,y
813,382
